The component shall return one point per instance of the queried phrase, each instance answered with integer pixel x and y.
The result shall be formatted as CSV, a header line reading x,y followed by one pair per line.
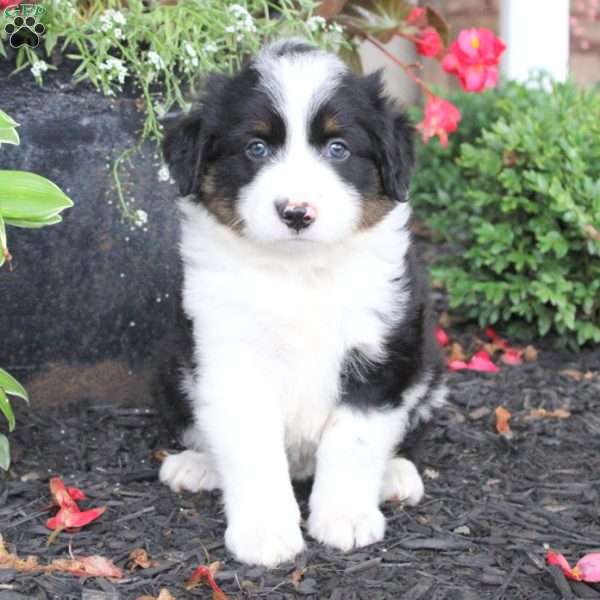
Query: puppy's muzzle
x,y
296,215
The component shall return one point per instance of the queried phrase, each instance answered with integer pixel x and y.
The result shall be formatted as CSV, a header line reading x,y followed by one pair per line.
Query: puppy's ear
x,y
394,141
187,138
183,147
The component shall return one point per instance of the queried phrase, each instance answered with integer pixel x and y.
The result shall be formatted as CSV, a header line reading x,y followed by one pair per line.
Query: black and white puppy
x,y
306,345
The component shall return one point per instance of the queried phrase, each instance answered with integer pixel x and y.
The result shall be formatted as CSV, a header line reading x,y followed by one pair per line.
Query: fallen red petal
x,y
512,356
457,365
588,568
556,558
481,361
441,337
76,493
66,518
87,566
61,495
204,573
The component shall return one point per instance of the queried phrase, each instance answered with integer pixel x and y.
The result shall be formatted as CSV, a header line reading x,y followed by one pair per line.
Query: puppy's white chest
x,y
292,321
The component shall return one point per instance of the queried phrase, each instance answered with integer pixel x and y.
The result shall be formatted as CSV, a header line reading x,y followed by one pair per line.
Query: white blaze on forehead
x,y
298,84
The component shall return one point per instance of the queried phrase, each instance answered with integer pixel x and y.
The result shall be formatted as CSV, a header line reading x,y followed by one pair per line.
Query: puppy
x,y
305,346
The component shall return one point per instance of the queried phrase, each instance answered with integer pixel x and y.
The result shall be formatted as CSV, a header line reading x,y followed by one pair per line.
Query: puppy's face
x,y
293,148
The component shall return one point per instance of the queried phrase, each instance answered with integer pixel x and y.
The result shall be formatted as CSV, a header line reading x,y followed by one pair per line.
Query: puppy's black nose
x,y
295,216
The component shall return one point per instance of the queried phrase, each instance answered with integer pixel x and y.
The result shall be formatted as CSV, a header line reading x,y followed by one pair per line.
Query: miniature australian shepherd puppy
x,y
305,345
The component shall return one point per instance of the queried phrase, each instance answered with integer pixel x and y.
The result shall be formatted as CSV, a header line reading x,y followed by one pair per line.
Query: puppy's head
x,y
293,148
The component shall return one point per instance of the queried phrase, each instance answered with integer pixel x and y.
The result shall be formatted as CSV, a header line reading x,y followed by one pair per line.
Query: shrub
x,y
519,204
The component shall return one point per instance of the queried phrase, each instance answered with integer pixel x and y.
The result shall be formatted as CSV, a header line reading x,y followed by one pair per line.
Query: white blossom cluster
x,y
243,22
140,217
156,61
163,173
113,20
115,68
210,48
38,67
190,56
317,23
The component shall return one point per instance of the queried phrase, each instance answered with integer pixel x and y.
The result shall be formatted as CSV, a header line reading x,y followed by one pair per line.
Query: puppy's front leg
x,y
241,418
351,461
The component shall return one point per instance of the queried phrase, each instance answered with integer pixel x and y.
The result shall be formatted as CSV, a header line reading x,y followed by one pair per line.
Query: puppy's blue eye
x,y
337,150
257,150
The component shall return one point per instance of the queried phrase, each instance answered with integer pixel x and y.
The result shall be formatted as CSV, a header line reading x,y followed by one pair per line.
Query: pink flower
x,y
441,118
415,14
473,57
430,42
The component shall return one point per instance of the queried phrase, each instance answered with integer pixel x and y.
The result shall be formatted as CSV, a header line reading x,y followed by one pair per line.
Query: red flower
x,y
441,118
6,3
415,14
430,42
473,57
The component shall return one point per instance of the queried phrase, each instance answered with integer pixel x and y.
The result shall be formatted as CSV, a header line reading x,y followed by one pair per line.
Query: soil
x,y
491,503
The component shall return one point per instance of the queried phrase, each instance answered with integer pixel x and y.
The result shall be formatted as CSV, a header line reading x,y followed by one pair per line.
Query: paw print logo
x,y
24,32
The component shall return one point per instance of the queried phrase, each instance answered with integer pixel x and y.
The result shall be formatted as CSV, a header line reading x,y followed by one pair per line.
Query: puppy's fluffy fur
x,y
305,347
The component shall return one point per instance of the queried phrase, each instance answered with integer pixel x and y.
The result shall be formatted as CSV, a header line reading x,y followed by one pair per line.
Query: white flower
x,y
243,20
38,67
163,173
316,23
210,48
140,217
115,68
155,60
335,28
110,21
191,60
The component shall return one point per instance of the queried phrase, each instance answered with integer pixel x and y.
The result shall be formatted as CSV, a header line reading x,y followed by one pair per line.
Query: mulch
x,y
491,503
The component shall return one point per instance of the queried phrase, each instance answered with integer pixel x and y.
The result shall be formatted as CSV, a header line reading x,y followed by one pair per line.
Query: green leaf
x,y
12,386
27,196
379,18
32,224
4,452
6,410
7,121
3,241
9,135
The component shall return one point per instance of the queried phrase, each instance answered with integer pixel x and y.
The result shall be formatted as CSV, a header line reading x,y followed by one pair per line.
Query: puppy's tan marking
x,y
374,209
223,209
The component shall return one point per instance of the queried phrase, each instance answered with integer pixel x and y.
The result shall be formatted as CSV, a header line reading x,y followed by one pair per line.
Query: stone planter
x,y
88,298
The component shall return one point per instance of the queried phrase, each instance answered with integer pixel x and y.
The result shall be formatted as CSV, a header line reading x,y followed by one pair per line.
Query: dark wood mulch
x,y
491,503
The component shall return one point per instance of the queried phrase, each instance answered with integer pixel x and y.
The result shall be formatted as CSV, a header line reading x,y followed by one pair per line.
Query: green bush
x,y
519,204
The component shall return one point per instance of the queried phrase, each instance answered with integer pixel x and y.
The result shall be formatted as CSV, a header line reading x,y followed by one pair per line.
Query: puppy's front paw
x,y
188,470
346,527
402,482
265,537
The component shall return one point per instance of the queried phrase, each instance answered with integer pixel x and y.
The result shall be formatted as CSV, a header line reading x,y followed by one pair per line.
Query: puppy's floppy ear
x,y
394,141
187,138
183,147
